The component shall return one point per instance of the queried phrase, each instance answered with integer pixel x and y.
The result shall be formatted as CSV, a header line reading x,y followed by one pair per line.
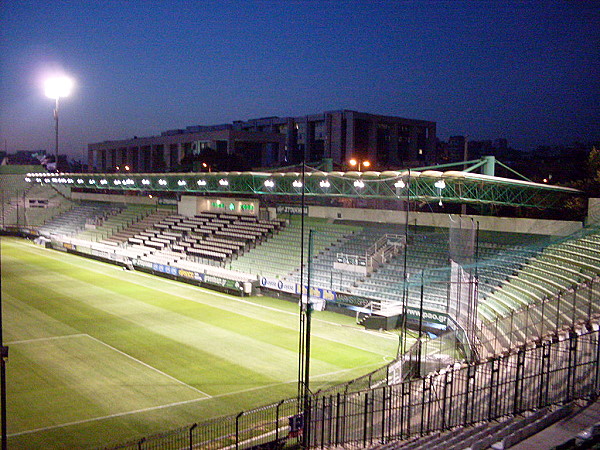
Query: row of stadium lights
x,y
325,184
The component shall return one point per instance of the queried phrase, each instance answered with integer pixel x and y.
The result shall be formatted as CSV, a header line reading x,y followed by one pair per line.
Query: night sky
x,y
527,71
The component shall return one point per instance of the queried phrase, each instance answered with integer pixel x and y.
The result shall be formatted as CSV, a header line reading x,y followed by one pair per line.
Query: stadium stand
x,y
285,247
536,297
74,221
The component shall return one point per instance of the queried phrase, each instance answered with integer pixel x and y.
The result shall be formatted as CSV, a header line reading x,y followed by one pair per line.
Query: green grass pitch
x,y
99,355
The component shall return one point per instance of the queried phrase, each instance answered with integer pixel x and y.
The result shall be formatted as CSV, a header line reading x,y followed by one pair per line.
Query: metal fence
x,y
261,426
537,320
553,372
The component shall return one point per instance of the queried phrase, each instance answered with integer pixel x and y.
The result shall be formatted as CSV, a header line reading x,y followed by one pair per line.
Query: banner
x,y
291,209
428,316
279,285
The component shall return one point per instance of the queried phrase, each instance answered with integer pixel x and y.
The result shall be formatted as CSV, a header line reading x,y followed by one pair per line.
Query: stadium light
x,y
325,184
359,184
297,184
269,183
55,88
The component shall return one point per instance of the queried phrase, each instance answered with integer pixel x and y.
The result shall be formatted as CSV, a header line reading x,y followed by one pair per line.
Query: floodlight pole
x,y
56,133
3,357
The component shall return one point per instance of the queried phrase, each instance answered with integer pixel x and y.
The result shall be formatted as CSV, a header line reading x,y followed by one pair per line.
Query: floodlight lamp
x,y
359,184
145,181
162,182
269,183
353,162
399,184
201,182
181,183
440,184
366,164
58,87
297,184
325,183
223,182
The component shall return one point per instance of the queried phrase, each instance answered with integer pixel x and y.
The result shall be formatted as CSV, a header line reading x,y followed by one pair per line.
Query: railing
x,y
550,373
554,372
537,320
377,254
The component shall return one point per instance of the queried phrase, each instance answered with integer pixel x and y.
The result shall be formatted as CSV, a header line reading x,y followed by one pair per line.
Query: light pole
x,y
56,88
353,162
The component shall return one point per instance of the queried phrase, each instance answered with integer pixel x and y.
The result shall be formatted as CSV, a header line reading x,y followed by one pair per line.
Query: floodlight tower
x,y
56,88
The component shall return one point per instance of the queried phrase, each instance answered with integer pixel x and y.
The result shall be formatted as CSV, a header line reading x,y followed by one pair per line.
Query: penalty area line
x,y
50,338
149,366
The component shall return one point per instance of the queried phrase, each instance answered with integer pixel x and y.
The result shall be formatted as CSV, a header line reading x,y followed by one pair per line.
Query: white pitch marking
x,y
111,416
388,336
168,405
148,366
51,338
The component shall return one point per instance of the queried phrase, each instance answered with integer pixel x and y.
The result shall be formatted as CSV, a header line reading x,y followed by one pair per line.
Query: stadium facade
x,y
386,141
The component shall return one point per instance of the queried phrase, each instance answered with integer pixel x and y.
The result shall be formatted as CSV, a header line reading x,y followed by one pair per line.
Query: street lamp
x,y
353,162
56,88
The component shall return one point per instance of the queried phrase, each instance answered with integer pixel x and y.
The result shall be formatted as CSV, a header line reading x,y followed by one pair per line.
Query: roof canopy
x,y
427,185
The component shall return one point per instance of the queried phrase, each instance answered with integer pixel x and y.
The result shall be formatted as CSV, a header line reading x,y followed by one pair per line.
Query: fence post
x,y
572,365
337,420
237,430
140,442
192,428
519,381
542,319
597,365
383,411
590,286
574,311
557,311
323,419
277,420
365,419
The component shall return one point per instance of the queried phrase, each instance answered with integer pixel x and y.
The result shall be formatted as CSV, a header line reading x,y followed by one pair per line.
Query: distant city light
x,y
353,162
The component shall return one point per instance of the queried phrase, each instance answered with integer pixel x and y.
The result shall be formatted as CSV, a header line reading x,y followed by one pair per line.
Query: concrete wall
x,y
187,206
113,198
502,224
593,213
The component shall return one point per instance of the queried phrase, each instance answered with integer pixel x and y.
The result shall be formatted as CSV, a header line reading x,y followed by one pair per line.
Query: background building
x,y
386,141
